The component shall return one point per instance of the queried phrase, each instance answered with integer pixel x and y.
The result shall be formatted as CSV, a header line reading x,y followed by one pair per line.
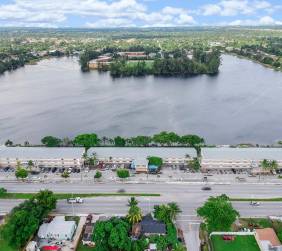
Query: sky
x,y
138,13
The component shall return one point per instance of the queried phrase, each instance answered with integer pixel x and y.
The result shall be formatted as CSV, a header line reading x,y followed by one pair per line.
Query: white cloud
x,y
266,20
236,7
114,13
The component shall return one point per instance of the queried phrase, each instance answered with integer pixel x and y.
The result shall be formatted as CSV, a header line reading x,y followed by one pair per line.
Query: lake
x,y
242,104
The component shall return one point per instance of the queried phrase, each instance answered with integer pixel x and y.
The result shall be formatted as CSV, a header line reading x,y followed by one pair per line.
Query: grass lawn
x,y
84,248
5,247
241,243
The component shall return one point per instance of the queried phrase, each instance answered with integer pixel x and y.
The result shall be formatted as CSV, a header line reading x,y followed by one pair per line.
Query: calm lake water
x,y
241,104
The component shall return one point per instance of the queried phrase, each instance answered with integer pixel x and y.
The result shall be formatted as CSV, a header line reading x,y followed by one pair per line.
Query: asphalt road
x,y
188,196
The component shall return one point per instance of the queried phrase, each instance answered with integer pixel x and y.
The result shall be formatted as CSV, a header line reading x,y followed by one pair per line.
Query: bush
x,y
65,175
97,175
2,191
21,173
123,173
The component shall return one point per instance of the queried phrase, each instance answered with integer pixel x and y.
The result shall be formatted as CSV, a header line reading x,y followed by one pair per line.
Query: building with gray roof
x,y
41,156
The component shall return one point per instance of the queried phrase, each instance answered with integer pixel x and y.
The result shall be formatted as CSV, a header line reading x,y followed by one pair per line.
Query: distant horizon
x,y
192,27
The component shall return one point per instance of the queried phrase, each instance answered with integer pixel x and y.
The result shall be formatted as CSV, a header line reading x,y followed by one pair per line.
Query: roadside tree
x,y
218,213
21,173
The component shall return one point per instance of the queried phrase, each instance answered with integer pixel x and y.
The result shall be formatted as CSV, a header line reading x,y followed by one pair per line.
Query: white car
x,y
75,200
254,203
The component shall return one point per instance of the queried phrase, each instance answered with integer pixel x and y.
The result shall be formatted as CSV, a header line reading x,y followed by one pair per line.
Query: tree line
x,y
91,140
169,66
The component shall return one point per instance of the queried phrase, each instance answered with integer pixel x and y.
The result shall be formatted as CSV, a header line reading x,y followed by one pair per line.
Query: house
x,y
150,226
57,229
100,62
133,55
268,239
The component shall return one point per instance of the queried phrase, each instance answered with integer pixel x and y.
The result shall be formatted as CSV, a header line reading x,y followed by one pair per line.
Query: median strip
x,y
61,196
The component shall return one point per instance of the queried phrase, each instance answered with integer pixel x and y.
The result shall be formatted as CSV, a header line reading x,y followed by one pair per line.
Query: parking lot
x,y
166,174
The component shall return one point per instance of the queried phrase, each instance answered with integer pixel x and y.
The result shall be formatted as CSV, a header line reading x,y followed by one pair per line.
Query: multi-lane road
x,y
188,196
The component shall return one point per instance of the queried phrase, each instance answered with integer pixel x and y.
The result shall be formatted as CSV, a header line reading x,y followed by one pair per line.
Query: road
x,y
188,196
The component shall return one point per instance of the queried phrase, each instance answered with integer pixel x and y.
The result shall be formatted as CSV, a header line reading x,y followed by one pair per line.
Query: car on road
x,y
206,188
75,200
254,203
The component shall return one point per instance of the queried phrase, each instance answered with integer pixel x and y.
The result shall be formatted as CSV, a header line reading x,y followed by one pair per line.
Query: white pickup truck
x,y
75,200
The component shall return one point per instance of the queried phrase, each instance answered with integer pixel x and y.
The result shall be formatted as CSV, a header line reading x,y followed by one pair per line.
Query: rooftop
x,y
151,226
242,153
41,152
142,152
268,234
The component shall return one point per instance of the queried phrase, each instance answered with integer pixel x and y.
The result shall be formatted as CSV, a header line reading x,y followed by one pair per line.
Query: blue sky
x,y
138,13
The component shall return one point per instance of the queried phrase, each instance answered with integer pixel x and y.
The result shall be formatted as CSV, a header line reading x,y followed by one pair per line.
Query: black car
x,y
206,188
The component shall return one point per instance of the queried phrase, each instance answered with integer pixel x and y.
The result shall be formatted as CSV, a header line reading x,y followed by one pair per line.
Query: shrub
x,y
123,173
97,175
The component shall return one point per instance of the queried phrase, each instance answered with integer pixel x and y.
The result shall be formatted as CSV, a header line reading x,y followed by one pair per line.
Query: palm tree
x,y
30,164
104,139
273,165
132,202
265,164
134,214
174,210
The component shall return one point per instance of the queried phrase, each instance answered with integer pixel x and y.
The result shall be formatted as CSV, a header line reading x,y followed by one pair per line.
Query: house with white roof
x,y
57,229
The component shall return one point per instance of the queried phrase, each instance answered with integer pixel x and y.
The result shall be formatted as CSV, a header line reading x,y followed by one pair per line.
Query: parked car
x,y
75,200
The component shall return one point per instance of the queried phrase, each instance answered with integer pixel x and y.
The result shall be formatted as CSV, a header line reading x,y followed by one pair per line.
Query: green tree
x,y
47,201
51,141
123,173
86,140
134,214
24,220
21,173
194,164
9,143
132,202
141,140
167,213
97,175
269,165
218,213
119,141
174,210
112,235
154,160
30,164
